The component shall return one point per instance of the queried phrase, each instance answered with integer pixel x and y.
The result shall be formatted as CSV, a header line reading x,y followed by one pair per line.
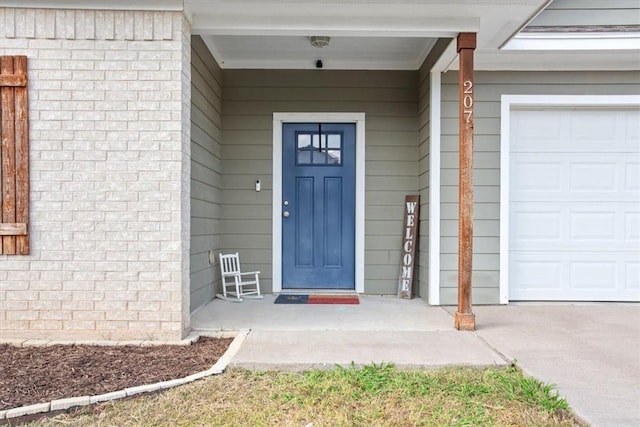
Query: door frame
x,y
509,103
278,120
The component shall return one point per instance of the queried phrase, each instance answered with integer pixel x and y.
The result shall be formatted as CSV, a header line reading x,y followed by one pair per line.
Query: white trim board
x,y
435,112
509,103
434,188
278,120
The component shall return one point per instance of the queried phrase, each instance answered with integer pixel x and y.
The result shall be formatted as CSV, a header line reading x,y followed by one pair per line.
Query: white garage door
x,y
575,204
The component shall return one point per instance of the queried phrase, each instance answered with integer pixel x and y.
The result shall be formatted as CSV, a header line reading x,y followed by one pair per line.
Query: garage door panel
x,y
593,271
608,227
592,274
541,272
632,128
543,275
574,205
563,177
589,176
609,272
549,175
632,274
591,227
594,128
536,128
604,175
560,130
632,176
632,228
535,225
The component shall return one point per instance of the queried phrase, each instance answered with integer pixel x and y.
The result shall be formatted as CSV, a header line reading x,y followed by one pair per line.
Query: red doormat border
x,y
333,299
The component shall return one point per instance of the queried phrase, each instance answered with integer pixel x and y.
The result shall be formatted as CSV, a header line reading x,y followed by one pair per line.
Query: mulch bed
x,y
31,375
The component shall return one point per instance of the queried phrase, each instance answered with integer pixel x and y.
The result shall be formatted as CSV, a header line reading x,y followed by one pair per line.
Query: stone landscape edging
x,y
71,402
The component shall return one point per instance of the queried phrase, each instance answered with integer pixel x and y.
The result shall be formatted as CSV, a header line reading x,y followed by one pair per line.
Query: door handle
x,y
285,214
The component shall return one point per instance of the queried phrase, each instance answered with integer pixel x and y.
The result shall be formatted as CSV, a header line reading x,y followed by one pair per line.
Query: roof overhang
x,y
591,51
584,41
365,34
377,34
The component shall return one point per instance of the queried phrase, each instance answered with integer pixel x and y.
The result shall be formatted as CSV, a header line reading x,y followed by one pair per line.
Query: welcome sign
x,y
409,245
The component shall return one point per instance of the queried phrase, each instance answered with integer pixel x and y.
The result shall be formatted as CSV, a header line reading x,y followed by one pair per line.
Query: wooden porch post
x,y
465,320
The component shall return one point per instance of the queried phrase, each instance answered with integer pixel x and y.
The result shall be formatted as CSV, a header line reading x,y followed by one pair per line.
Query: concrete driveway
x,y
591,352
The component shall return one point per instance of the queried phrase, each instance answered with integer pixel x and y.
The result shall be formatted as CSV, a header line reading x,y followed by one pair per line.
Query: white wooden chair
x,y
242,284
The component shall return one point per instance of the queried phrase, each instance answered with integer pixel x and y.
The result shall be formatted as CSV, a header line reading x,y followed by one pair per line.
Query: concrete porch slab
x,y
298,350
407,333
374,313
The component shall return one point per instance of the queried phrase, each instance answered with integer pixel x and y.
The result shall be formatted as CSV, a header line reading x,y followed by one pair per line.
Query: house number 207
x,y
467,100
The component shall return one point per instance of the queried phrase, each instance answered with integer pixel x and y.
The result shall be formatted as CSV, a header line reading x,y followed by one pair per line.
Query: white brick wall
x,y
109,169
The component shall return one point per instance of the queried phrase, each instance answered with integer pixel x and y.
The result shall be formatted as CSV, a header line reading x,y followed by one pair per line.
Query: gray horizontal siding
x,y
206,172
389,100
569,13
421,279
489,87
318,79
395,109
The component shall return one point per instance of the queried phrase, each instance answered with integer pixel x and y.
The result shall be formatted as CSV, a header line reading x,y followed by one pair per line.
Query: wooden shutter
x,y
14,156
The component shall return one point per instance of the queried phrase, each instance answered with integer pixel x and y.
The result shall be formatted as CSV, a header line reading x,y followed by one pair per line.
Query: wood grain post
x,y
465,319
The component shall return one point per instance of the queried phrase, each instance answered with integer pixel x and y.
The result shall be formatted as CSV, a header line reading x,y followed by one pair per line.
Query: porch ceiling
x,y
365,34
296,52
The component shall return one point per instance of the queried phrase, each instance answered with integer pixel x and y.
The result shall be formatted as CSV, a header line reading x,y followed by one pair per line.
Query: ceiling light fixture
x,y
319,41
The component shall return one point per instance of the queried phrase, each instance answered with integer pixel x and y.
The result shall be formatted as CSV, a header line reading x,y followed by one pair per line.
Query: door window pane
x,y
319,156
334,157
315,149
334,149
334,141
304,149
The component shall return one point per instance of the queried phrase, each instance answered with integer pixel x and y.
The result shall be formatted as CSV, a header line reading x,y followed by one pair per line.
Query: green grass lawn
x,y
369,396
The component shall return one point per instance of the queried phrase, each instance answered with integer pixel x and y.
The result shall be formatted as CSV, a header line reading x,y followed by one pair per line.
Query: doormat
x,y
316,299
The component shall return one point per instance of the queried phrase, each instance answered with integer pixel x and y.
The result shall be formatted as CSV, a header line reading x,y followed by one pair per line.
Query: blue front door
x,y
318,198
